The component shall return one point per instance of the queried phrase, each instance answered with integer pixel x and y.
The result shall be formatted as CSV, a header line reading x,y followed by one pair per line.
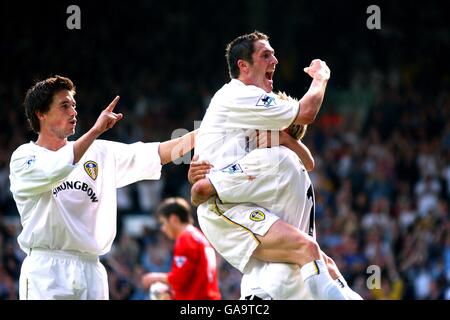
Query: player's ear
x,y
173,218
39,115
243,66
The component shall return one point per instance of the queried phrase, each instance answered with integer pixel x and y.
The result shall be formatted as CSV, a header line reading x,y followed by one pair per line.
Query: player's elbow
x,y
306,116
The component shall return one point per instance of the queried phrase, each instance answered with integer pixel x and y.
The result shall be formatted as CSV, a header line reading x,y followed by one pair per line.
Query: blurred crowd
x,y
381,141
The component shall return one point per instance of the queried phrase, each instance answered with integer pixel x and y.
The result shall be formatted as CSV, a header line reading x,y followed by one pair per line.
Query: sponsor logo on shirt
x,y
91,169
233,169
266,101
257,215
76,185
179,261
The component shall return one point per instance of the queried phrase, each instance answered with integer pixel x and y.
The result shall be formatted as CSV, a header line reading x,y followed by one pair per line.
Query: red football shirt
x,y
193,275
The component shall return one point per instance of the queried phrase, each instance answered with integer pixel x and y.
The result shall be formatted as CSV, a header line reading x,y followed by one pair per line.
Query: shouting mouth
x,y
269,75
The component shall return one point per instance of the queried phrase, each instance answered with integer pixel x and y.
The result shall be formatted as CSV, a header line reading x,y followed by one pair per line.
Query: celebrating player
x,y
271,168
65,192
247,103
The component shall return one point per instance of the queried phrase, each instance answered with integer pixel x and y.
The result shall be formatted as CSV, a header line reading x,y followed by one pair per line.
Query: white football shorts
x,y
62,275
232,232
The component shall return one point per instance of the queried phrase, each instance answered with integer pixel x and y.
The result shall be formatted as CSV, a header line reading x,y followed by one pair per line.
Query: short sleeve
x,y
34,170
252,108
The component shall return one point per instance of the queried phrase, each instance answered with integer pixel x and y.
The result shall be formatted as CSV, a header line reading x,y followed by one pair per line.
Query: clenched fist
x,y
318,69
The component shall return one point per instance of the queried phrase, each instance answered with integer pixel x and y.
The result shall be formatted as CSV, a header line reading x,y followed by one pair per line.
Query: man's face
x,y
263,67
166,227
61,119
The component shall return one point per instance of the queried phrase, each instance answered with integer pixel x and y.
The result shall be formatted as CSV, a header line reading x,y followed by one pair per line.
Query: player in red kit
x,y
193,275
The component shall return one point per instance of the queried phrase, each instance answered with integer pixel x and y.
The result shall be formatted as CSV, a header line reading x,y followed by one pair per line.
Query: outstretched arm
x,y
176,148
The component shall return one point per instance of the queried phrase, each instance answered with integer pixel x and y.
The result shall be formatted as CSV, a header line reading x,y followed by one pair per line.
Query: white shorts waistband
x,y
68,254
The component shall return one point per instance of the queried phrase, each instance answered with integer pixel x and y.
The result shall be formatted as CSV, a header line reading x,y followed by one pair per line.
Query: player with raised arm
x,y
65,192
261,279
247,103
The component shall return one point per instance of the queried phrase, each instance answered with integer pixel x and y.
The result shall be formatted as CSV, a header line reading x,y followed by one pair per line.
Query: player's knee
x,y
308,248
313,247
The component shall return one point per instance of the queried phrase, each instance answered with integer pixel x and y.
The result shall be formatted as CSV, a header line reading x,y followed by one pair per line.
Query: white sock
x,y
348,292
319,282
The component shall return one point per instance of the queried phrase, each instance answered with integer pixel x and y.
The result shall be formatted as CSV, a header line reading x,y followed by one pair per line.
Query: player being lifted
x,y
244,225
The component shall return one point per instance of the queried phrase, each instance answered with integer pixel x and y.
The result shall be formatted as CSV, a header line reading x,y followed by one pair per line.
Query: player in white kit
x,y
273,181
247,103
65,192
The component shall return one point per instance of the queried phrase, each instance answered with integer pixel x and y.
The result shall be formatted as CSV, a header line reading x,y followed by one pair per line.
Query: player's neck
x,y
245,80
182,228
50,142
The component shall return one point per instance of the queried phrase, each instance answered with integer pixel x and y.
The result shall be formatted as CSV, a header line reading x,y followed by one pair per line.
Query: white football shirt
x,y
73,207
276,180
235,112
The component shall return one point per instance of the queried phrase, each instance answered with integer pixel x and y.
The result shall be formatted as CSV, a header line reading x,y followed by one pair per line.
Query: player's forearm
x,y
83,143
311,102
176,148
152,277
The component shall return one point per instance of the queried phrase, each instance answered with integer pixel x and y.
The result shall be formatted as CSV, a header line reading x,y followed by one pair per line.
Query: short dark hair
x,y
177,206
242,48
40,96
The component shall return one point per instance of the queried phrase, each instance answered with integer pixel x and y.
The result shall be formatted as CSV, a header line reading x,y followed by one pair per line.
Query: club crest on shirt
x,y
233,169
91,169
266,101
257,215
179,261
